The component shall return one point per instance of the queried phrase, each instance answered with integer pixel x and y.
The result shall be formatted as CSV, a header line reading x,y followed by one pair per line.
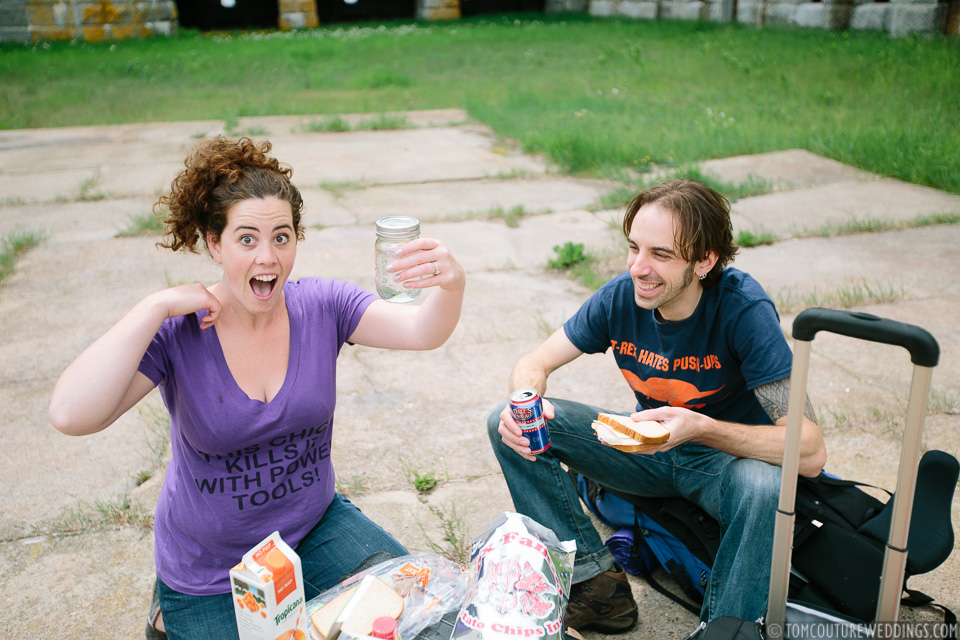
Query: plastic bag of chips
x,y
520,576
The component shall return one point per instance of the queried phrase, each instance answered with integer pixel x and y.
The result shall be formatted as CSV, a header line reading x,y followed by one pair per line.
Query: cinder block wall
x,y
298,14
438,9
897,17
33,20
92,20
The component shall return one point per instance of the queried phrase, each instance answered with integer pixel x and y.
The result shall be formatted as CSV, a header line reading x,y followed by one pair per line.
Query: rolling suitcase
x,y
794,621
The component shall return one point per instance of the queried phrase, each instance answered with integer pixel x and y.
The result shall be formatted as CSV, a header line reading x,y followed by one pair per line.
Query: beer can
x,y
527,410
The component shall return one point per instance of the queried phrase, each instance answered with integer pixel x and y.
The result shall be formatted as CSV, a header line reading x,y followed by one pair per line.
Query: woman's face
x,y
256,249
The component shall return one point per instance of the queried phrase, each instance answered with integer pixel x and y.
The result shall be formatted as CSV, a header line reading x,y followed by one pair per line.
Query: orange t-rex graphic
x,y
675,393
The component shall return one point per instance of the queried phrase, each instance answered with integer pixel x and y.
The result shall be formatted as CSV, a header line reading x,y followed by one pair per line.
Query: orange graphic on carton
x,y
249,602
280,568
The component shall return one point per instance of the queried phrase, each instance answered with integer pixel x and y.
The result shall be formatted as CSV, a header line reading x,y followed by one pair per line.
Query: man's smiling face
x,y
662,279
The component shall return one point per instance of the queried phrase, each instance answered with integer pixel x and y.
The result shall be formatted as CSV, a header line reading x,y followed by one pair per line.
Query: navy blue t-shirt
x,y
709,362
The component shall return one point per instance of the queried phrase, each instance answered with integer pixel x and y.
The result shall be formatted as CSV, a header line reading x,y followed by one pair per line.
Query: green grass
x,y
116,512
13,246
379,122
593,95
455,539
511,217
334,123
947,402
86,190
143,224
384,121
876,225
620,197
591,270
853,294
423,481
749,239
754,185
337,189
569,255
354,486
157,421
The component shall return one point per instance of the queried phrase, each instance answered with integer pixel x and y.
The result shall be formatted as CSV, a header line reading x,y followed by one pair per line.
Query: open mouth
x,y
646,288
262,286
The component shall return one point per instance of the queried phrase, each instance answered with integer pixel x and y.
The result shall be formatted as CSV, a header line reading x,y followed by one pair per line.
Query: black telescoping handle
x,y
923,347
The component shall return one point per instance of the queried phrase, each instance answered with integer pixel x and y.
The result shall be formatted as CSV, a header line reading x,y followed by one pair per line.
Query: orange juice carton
x,y
268,596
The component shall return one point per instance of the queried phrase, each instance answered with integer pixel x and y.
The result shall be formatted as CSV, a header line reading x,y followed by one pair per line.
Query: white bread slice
x,y
622,433
611,438
378,600
645,431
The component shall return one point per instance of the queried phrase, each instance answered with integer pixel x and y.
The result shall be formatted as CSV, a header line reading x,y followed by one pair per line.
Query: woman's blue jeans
x,y
740,493
342,540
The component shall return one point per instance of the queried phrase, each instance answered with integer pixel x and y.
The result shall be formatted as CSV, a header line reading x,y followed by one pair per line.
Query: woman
x,y
247,370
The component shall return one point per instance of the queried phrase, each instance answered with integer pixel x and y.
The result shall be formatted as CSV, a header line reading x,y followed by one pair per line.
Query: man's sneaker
x,y
604,603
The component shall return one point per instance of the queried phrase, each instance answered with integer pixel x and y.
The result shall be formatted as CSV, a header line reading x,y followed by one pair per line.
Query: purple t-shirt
x,y
243,468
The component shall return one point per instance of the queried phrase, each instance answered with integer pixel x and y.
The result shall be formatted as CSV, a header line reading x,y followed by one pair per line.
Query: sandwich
x,y
374,599
621,432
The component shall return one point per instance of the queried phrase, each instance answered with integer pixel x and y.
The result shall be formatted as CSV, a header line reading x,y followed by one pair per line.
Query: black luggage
x,y
794,621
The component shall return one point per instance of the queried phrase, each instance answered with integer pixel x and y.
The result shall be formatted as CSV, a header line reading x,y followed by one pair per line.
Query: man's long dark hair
x,y
703,221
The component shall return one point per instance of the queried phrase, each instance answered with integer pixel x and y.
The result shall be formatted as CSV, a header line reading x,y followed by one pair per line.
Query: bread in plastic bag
x,y
429,584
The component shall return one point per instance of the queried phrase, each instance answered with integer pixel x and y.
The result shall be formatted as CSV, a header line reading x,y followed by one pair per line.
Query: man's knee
x,y
753,480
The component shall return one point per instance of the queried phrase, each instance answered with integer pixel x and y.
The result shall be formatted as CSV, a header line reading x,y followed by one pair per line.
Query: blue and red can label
x,y
527,410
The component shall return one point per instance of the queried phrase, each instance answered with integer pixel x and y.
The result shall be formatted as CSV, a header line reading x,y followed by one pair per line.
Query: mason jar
x,y
393,231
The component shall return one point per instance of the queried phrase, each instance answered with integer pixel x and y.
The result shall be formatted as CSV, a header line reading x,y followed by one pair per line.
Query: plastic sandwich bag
x,y
429,584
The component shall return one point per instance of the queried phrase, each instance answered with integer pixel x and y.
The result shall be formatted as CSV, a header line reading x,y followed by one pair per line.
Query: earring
x,y
703,275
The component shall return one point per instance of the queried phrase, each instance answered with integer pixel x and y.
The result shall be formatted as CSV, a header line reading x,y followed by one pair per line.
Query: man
x,y
702,349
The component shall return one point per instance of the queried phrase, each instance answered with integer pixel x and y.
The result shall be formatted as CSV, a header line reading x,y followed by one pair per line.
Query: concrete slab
x,y
64,184
403,155
321,209
790,169
106,163
459,199
70,221
86,592
803,271
811,210
403,414
480,245
158,133
132,159
279,125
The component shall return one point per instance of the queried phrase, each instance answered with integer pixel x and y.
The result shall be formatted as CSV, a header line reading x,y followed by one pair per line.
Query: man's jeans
x,y
342,539
740,493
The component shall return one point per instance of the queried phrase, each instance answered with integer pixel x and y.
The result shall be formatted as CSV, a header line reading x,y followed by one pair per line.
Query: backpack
x,y
657,532
839,537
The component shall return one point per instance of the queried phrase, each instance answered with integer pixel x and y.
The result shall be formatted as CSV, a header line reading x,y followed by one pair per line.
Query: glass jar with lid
x,y
392,232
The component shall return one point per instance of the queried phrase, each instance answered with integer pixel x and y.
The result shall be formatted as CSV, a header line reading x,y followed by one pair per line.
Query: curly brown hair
x,y
219,173
703,221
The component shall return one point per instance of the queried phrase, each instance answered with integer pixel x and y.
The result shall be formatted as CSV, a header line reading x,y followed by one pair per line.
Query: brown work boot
x,y
603,603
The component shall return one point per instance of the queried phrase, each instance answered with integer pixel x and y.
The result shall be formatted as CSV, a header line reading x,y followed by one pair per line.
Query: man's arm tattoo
x,y
775,396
